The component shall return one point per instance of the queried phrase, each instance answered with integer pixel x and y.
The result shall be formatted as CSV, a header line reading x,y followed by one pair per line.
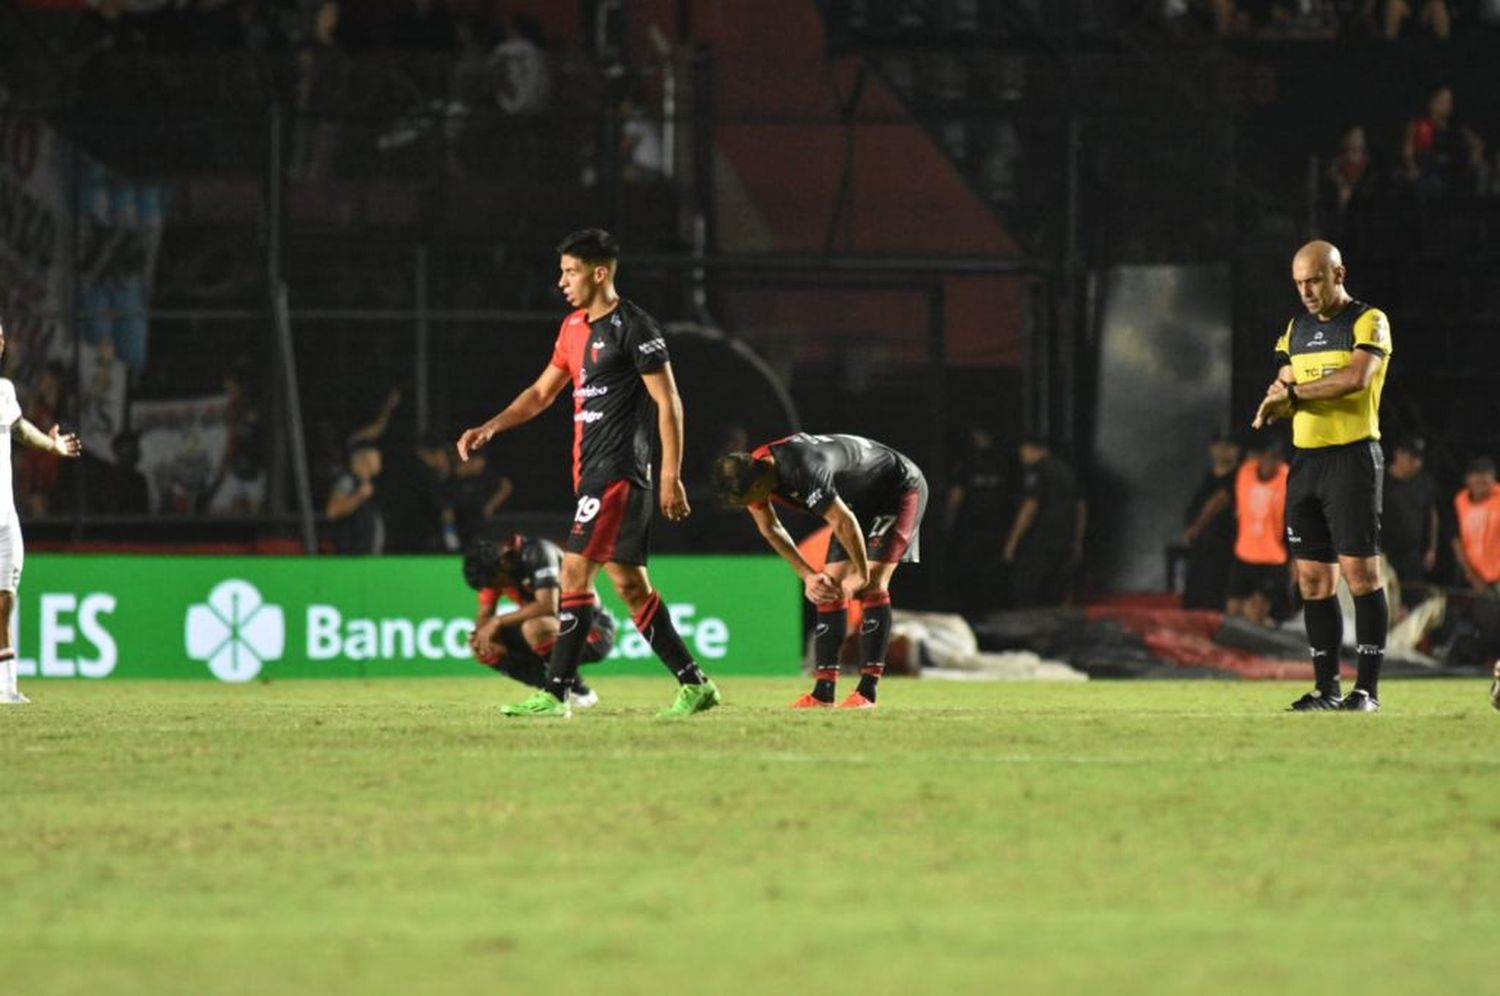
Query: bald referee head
x,y
1318,271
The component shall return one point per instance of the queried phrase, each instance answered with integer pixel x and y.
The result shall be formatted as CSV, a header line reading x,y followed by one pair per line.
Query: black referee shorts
x,y
1333,502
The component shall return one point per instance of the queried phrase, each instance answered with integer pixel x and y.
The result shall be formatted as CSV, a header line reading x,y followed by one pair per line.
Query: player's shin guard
x,y
8,687
655,624
874,639
828,638
575,619
1371,620
1325,635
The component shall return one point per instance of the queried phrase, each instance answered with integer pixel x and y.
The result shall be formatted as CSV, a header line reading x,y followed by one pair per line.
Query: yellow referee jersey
x,y
1314,348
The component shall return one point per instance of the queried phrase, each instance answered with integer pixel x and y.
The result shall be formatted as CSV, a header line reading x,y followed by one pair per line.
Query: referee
x,y
1331,367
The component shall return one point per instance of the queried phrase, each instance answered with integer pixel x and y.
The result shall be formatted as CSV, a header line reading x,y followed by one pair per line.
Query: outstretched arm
x,y
528,405
663,388
53,442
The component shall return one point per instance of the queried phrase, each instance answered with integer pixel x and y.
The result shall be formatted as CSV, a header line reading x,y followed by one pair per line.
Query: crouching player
x,y
517,643
830,477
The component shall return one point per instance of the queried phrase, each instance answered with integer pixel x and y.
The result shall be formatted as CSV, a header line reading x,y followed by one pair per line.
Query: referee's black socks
x,y
1372,615
1325,635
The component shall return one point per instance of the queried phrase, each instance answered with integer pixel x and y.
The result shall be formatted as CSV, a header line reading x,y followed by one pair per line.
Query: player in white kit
x,y
14,427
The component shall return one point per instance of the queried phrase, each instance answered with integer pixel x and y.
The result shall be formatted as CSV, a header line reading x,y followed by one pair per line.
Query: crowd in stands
x,y
1439,155
1323,20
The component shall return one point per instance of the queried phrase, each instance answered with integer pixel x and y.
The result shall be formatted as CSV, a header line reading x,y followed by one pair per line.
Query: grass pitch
x,y
401,837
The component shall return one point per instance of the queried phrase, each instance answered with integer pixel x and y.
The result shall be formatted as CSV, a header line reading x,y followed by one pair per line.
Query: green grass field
x,y
400,837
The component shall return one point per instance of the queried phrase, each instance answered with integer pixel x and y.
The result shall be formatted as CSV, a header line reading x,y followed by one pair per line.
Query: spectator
x,y
416,502
352,509
241,489
123,489
1409,519
374,430
476,494
1477,545
1046,539
1210,531
525,76
1351,173
1261,578
42,470
1441,156
323,80
1432,15
974,517
641,149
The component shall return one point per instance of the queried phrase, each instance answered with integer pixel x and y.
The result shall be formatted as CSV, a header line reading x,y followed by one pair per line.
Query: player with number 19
x,y
874,498
615,357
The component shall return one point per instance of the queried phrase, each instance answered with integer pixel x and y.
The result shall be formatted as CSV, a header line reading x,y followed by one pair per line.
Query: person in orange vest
x,y
1477,547
1260,579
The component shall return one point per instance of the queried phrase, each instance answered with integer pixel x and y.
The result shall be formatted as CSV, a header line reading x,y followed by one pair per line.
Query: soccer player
x,y
615,357
830,477
1331,365
16,427
517,643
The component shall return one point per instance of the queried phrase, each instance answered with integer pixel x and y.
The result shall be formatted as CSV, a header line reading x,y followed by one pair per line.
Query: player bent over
x,y
830,476
615,357
12,552
517,643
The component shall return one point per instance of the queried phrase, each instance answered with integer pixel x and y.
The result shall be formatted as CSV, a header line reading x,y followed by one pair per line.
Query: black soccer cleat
x,y
1360,700
1316,701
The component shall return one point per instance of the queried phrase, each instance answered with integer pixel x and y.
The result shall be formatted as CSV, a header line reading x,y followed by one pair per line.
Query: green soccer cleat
x,y
543,705
691,699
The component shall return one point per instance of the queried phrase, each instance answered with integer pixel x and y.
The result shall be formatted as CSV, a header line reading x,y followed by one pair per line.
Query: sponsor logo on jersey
x,y
653,346
815,496
592,392
588,418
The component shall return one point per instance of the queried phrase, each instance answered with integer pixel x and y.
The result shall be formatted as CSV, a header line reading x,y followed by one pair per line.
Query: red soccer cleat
x,y
856,701
808,702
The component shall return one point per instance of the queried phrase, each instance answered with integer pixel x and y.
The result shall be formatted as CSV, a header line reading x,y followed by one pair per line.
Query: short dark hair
x,y
1415,445
482,562
735,476
592,245
1482,465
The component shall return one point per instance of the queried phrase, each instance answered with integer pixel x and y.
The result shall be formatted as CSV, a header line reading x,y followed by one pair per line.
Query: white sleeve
x,y
10,408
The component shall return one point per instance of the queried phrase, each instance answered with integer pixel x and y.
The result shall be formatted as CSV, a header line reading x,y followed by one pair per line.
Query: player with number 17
x,y
874,498
615,357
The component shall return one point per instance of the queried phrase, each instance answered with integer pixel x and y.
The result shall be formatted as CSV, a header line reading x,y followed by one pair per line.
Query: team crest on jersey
x,y
594,348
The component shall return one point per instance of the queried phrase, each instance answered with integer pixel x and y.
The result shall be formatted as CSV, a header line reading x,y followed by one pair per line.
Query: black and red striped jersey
x,y
540,568
613,413
811,471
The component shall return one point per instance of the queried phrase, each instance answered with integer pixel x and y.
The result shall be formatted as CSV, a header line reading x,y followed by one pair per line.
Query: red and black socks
x,y
828,638
575,620
874,639
655,624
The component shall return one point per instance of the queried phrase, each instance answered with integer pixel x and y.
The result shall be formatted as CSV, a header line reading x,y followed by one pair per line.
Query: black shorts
x,y
1270,580
601,641
612,523
892,526
1333,500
